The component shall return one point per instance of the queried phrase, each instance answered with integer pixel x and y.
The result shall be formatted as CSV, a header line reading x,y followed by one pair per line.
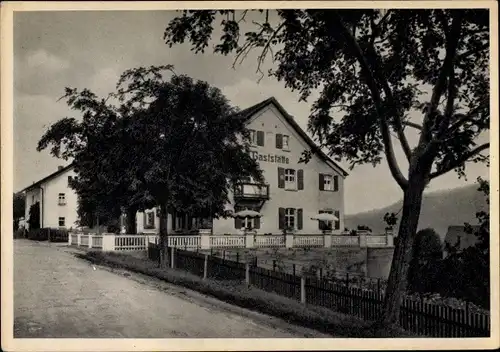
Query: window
x,y
290,217
257,138
286,139
328,182
33,199
325,225
62,199
282,141
70,178
290,180
62,222
149,220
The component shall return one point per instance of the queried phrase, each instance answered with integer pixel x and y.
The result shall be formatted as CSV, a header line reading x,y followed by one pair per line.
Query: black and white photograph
x,y
193,172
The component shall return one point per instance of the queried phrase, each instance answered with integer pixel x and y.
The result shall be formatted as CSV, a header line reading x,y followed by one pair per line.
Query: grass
x,y
318,318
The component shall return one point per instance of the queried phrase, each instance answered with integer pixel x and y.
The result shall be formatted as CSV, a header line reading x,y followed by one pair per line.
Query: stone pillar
x,y
362,241
69,238
389,239
327,240
79,239
249,240
108,242
91,238
289,240
204,238
378,262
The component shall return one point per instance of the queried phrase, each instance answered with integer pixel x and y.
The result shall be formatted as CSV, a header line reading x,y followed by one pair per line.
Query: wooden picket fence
x,y
421,318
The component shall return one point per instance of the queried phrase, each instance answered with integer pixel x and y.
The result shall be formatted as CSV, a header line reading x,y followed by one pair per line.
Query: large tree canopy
x,y
177,144
373,68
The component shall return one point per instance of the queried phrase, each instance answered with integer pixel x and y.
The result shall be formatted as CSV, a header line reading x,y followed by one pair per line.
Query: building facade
x,y
58,202
292,193
290,196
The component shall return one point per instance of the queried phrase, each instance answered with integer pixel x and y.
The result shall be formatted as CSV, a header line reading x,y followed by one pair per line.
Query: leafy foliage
x,y
427,252
373,67
34,219
171,143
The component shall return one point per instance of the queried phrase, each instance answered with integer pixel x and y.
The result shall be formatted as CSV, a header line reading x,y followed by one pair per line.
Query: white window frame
x,y
61,199
290,179
285,146
150,215
63,221
253,137
328,184
290,214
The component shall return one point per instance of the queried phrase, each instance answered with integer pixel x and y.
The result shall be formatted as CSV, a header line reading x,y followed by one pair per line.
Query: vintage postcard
x,y
249,175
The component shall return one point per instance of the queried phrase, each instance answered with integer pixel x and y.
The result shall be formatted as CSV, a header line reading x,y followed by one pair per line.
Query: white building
x,y
58,202
293,192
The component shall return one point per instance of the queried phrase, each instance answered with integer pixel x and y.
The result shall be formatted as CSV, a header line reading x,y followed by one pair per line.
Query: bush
x,y
56,235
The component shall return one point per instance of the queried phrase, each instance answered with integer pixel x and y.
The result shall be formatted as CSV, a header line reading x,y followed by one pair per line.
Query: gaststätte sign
x,y
270,158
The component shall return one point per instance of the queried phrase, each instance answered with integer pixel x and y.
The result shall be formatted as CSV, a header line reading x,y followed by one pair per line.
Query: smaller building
x,y
457,236
58,202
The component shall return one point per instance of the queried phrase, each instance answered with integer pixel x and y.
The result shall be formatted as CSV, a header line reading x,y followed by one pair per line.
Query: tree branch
x,y
465,157
370,81
446,68
412,124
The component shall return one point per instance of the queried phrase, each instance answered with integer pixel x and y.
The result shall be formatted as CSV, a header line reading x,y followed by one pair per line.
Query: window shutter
x,y
321,182
281,177
335,183
260,138
144,220
190,222
256,223
337,223
300,179
321,223
299,219
281,218
279,141
238,223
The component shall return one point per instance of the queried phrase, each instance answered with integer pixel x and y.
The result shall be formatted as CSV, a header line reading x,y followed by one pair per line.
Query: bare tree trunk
x,y
131,221
164,254
397,282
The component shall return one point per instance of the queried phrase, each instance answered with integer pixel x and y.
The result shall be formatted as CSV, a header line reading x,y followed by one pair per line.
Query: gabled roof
x,y
47,178
458,232
252,110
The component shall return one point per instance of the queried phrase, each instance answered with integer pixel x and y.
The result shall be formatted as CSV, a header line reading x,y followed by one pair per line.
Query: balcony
x,y
249,191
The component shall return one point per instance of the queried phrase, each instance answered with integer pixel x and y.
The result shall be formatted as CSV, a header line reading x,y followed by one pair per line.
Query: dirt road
x,y
58,295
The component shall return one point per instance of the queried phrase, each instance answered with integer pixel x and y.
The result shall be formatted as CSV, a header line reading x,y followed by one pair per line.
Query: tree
x,y
176,144
372,66
18,208
34,219
426,253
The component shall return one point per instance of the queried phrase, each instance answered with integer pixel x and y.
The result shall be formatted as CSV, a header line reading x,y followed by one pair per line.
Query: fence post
x,y
78,239
172,257
389,239
204,238
302,289
205,267
247,274
362,241
69,238
108,242
289,240
90,240
327,240
249,240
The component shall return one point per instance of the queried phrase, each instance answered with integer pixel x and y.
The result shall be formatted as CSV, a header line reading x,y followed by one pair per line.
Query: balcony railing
x,y
251,191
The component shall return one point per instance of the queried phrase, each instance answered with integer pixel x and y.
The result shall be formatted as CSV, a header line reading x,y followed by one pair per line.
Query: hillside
x,y
439,210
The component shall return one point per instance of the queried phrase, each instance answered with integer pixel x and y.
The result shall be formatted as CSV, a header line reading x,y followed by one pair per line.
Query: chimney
x,y
60,168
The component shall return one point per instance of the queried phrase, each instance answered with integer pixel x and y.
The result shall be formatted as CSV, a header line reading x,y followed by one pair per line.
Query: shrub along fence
x,y
417,317
48,234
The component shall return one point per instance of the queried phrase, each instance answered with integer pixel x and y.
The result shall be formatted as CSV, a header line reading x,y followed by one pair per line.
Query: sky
x,y
54,50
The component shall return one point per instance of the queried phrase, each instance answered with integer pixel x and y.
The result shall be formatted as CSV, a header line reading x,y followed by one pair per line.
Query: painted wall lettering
x,y
270,158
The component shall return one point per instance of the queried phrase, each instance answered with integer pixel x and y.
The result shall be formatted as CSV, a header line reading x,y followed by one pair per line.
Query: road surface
x,y
59,295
